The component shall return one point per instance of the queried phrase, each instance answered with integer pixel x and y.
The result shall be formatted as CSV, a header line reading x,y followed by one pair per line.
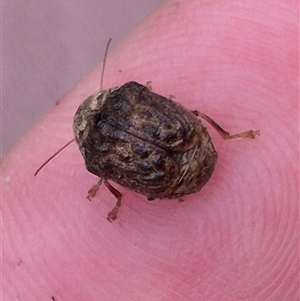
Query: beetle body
x,y
145,142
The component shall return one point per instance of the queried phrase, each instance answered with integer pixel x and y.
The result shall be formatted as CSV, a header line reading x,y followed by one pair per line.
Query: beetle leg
x,y
112,215
224,134
148,85
92,192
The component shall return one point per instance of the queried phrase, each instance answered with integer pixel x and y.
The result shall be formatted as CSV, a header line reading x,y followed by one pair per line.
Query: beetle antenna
x,y
54,155
104,63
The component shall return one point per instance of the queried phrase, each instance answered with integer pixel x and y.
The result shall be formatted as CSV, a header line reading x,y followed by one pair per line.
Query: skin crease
x,y
237,238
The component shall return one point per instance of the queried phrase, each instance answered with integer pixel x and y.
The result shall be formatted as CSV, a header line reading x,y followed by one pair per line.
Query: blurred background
x,y
48,46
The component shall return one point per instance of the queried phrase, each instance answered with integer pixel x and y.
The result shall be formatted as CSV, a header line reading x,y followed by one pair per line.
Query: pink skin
x,y
237,239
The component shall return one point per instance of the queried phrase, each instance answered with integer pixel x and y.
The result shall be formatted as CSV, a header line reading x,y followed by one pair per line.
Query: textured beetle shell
x,y
144,141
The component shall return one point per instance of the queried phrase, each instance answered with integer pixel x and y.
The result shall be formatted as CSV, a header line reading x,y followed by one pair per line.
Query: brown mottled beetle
x,y
145,142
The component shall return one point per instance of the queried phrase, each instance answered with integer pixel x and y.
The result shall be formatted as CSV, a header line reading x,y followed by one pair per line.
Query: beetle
x,y
145,142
